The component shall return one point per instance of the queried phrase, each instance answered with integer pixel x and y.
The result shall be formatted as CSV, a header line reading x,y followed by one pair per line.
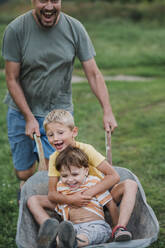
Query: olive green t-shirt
x,y
46,56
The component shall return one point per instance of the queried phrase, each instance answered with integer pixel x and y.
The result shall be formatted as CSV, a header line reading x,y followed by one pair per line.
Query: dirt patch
x,y
77,79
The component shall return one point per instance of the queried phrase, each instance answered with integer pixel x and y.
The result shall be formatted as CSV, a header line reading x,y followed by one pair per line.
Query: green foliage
x,y
103,9
122,44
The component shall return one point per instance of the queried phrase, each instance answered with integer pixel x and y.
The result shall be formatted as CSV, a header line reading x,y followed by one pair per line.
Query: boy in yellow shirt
x,y
61,132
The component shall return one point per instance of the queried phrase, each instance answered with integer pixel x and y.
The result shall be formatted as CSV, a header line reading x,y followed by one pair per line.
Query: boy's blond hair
x,y
60,116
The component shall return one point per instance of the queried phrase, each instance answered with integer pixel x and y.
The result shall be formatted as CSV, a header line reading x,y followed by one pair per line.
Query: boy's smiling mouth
x,y
58,145
73,185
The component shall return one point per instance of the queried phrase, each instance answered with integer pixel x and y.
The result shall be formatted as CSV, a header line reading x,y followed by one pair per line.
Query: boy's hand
x,y
79,199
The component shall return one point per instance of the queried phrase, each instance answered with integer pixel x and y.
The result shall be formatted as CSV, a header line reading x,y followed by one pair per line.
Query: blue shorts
x,y
97,232
24,150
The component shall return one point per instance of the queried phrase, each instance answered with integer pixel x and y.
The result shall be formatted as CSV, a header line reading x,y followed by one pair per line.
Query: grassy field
x,y
122,47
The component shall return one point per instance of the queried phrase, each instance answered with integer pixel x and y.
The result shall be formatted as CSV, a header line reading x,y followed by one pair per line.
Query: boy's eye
x,y
50,134
60,132
63,176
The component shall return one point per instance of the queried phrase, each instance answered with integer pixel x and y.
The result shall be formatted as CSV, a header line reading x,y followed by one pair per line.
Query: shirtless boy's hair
x,y
71,156
60,116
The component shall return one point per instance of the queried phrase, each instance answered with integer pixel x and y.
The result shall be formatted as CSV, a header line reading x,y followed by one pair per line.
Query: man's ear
x,y
75,132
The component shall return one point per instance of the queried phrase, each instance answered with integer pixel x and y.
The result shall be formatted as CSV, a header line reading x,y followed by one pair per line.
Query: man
x,y
39,49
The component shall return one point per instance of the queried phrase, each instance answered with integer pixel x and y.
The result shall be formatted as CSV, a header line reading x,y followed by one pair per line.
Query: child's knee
x,y
32,200
130,185
25,174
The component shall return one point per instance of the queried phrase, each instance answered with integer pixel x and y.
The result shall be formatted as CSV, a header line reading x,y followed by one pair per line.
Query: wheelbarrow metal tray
x,y
143,223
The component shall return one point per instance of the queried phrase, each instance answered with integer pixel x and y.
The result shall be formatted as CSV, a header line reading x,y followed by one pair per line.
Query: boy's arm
x,y
111,177
78,199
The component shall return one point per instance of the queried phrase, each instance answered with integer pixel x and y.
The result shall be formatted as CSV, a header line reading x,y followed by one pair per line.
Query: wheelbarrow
x,y
143,222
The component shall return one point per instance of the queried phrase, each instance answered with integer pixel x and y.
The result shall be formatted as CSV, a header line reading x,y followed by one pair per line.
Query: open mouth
x,y
59,145
48,14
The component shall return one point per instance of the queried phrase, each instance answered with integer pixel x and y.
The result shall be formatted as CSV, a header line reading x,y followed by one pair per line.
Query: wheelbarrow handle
x,y
108,146
42,164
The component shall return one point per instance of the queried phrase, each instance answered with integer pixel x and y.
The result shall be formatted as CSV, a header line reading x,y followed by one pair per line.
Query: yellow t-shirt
x,y
95,158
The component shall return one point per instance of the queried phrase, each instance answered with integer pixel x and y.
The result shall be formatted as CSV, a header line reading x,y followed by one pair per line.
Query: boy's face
x,y
60,136
73,177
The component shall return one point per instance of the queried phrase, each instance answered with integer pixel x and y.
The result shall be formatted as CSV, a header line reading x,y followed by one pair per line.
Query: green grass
x,y
9,183
138,144
123,44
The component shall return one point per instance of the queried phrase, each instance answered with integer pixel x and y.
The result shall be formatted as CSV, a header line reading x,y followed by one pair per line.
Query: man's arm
x,y
12,78
99,88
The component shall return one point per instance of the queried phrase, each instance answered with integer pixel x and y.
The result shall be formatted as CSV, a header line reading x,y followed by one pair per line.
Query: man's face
x,y
47,12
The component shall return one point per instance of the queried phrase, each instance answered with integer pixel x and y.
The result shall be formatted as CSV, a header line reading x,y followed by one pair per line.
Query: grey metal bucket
x,y
143,223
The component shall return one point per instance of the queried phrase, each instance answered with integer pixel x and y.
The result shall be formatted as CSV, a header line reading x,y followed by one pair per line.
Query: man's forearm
x,y
17,94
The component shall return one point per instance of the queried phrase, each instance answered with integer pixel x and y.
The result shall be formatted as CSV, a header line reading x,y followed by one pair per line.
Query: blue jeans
x,y
24,150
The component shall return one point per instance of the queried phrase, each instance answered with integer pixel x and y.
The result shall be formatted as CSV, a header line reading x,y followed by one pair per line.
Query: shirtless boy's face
x,y
60,136
73,177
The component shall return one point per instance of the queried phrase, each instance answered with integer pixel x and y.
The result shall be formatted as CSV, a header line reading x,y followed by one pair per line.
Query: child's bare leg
x,y
37,205
84,238
113,211
125,194
79,243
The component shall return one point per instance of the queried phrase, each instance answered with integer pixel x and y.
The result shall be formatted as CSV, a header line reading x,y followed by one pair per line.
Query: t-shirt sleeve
x,y
95,157
52,172
11,46
85,49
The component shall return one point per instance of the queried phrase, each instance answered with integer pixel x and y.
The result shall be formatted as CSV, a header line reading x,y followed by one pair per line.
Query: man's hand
x,y
79,199
32,127
109,122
